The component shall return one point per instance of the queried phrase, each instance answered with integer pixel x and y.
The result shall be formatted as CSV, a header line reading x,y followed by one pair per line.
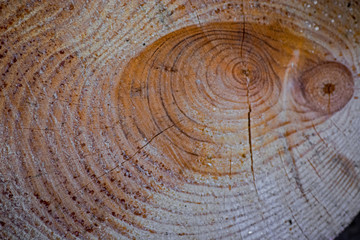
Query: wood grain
x,y
179,119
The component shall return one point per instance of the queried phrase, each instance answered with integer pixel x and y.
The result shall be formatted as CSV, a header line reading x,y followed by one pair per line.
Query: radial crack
x,y
249,133
250,147
243,37
131,157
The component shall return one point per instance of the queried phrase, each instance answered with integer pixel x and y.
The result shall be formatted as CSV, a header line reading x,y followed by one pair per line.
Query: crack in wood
x,y
130,158
300,228
250,148
249,134
197,16
318,134
297,177
243,37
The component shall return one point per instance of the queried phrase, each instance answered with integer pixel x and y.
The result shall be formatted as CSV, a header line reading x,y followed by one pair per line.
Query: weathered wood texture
x,y
179,119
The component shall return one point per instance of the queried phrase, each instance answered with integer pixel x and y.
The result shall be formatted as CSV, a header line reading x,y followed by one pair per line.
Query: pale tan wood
x,y
179,119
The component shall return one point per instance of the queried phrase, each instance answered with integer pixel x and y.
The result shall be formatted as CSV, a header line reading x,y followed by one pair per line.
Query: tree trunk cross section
x,y
179,119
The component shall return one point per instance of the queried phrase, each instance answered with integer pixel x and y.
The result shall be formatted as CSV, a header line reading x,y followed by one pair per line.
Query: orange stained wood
x,y
223,90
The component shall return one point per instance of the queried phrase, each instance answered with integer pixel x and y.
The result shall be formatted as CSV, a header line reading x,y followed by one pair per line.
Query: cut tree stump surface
x,y
179,119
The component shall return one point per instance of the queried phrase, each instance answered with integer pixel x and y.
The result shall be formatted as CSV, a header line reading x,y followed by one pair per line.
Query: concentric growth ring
x,y
201,84
327,87
223,130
